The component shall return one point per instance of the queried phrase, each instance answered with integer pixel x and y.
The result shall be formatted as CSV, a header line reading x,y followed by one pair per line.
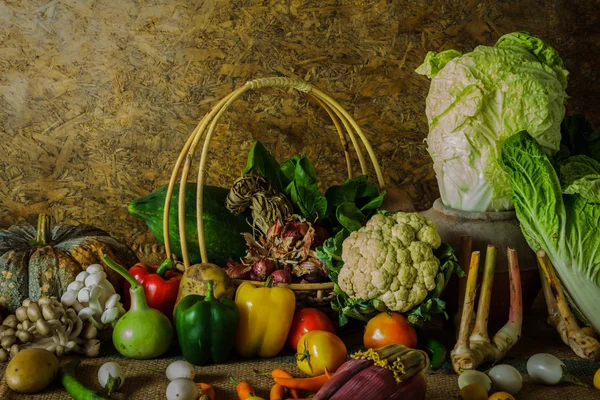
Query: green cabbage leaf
x,y
558,208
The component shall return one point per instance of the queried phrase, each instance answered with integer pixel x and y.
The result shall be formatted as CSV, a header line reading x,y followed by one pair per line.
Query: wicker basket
x,y
318,295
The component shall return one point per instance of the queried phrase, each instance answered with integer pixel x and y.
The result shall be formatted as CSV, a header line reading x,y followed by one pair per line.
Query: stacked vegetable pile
x,y
292,218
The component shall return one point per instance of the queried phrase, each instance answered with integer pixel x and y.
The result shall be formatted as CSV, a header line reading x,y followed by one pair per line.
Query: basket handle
x,y
335,111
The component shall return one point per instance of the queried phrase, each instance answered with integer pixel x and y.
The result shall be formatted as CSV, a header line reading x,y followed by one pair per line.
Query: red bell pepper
x,y
161,286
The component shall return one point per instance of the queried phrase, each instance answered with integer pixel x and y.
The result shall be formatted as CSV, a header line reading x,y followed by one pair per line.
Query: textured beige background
x,y
98,97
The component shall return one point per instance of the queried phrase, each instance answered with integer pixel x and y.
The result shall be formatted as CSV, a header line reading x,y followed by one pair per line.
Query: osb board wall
x,y
97,97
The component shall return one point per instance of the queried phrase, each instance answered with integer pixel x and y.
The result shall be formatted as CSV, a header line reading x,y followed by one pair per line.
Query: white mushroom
x,y
84,295
86,313
95,278
94,268
110,315
69,297
95,293
82,275
75,286
112,301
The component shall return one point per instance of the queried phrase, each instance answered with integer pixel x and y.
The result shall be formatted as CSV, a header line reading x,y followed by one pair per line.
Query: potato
x,y
31,370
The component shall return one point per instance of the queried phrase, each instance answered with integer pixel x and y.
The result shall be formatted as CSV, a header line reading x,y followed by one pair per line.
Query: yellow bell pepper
x,y
266,315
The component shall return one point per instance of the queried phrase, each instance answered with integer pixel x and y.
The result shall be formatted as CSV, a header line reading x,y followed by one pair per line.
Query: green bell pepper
x,y
206,327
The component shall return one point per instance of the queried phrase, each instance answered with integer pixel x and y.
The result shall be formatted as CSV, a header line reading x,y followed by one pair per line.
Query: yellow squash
x,y
266,315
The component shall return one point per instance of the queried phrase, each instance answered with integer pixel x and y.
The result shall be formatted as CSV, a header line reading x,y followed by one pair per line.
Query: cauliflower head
x,y
391,259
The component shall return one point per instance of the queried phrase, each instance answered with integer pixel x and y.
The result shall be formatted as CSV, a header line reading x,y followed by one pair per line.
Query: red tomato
x,y
392,328
306,320
320,350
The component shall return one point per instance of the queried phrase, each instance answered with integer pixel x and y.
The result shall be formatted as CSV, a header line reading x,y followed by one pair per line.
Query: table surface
x,y
143,383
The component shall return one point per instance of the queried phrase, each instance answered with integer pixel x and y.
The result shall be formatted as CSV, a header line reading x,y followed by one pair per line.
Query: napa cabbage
x,y
478,100
558,207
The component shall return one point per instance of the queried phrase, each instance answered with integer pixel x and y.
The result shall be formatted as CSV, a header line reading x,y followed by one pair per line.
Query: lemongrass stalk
x,y
480,332
462,344
510,333
466,247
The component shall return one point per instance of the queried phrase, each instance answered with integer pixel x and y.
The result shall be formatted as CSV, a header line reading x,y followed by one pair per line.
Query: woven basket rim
x,y
344,124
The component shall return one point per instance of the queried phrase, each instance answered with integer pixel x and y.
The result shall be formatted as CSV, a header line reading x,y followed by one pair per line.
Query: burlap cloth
x,y
142,383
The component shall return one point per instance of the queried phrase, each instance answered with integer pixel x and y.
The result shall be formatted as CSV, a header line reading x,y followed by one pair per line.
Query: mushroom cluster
x,y
50,325
94,298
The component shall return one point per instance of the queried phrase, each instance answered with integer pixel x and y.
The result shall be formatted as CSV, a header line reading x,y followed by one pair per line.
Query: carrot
x,y
310,384
243,389
207,391
280,373
276,392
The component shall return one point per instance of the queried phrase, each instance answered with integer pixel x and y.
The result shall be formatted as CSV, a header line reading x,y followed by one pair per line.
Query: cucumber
x,y
222,229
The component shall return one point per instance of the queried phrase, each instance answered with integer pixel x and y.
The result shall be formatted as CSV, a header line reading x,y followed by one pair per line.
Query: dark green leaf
x,y
261,162
581,175
349,216
305,193
580,137
375,202
288,169
343,193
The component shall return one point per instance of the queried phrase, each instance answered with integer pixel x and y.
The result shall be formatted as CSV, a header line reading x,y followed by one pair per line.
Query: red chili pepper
x,y
161,286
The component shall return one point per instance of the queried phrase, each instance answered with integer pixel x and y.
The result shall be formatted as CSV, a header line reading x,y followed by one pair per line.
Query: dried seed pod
x,y
24,336
8,341
33,312
21,314
2,329
43,327
14,349
3,355
20,327
11,321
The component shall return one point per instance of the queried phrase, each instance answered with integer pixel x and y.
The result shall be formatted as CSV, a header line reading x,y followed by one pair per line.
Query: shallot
x,y
281,276
263,268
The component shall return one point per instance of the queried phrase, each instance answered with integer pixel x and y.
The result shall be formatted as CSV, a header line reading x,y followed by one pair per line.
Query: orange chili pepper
x,y
244,390
280,373
312,384
277,392
207,391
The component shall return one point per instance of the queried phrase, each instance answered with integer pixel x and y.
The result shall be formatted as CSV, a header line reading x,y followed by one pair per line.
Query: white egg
x,y
506,378
180,369
472,376
182,389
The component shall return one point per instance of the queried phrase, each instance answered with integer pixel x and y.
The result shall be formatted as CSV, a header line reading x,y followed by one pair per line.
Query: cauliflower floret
x,y
391,259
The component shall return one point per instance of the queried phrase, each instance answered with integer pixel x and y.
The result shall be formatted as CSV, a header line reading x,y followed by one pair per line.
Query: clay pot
x,y
500,229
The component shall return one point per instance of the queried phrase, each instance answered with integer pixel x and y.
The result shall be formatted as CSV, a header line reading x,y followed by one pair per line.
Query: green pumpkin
x,y
42,261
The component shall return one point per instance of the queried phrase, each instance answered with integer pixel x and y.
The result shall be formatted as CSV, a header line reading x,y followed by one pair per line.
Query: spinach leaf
x,y
349,216
305,193
288,169
260,161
